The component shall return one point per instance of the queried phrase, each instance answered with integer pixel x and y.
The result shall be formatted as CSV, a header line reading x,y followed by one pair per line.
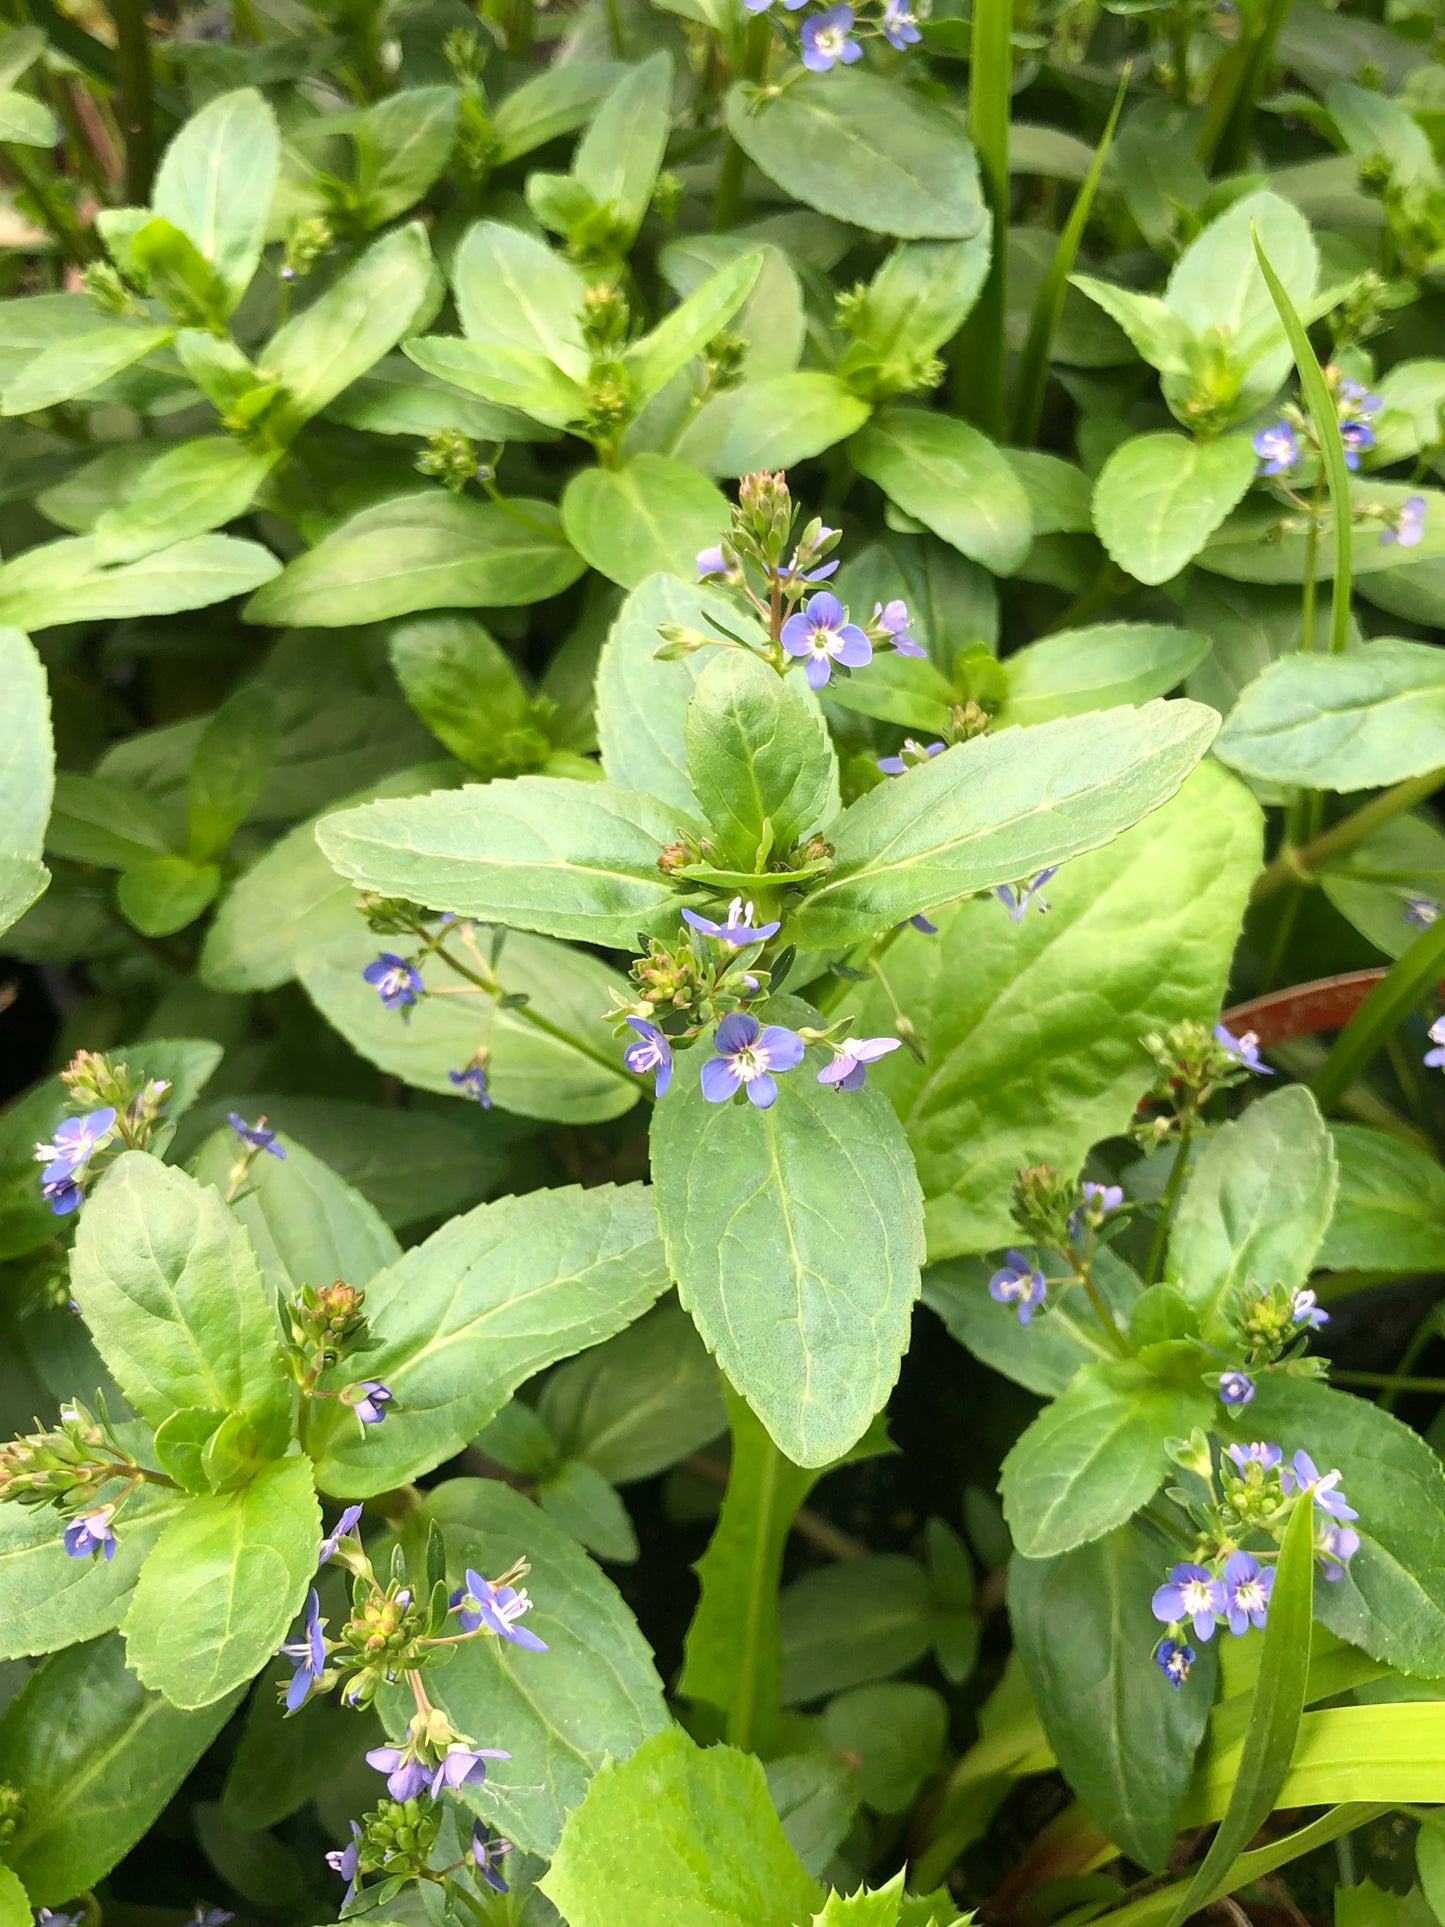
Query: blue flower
x,y
1276,448
1356,392
485,1850
406,1775
463,1765
920,922
825,42
1421,911
1408,524
820,631
739,928
498,1608
397,983
67,1157
1244,1049
653,1053
850,1064
1302,1474
909,756
1436,1034
256,1135
370,1408
345,1861
1305,1310
1099,1201
713,561
1356,437
747,1056
343,1529
1246,1592
898,27
473,1080
1174,1661
307,1655
1334,1549
1192,1593
1256,1453
1019,1283
91,1533
1018,901
1236,1388
61,1194
794,572
892,617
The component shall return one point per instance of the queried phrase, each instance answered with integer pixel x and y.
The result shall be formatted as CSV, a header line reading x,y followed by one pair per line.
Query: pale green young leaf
x,y
187,490
1075,670
1162,337
762,767
771,321
27,775
654,513
216,182
1159,498
402,145
555,101
468,692
511,378
67,581
159,895
27,122
78,363
397,397
619,157
773,423
515,292
1216,282
656,358
953,479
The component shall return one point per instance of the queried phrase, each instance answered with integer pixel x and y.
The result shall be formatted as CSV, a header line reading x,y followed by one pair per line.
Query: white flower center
x,y
1196,1596
829,41
1249,1596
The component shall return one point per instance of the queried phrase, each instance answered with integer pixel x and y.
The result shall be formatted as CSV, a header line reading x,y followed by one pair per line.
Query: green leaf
x,y
78,363
773,423
1257,1204
1076,670
951,478
802,1291
187,490
402,145
582,1502
762,766
1279,1698
467,691
870,151
896,1732
1371,882
538,852
638,1404
1159,498
679,1837
1389,1208
1044,1355
27,776
1162,337
484,1303
166,1280
1083,1628
279,1762
514,292
593,1694
217,180
847,1624
555,101
509,378
15,1909
162,894
1362,720
224,1582
618,158
816,1797
68,582
771,320
652,514
230,768
27,122
653,361
1093,1457
397,398
1217,283
996,809
917,301
421,552
99,1759
386,294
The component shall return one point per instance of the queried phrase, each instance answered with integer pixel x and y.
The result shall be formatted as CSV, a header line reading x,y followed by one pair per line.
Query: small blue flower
x,y
307,1655
1244,1049
1304,1309
1436,1034
1408,525
1019,1283
1421,912
396,982
909,757
498,1608
61,1194
91,1533
1099,1201
343,1529
255,1135
712,562
1246,1592
1276,448
1334,1549
484,1850
850,1064
1017,901
920,922
1356,436
825,43
899,28
1357,393
1192,1593
68,1156
892,617
739,928
820,631
1256,1453
473,1080
653,1053
463,1765
345,1860
747,1056
1302,1474
1236,1388
406,1775
1174,1661
371,1406
49,1917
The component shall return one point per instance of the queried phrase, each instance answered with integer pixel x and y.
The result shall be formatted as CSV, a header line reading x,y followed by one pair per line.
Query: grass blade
x,y
978,359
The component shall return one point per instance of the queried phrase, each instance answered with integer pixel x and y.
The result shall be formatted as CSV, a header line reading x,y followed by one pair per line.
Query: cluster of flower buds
x,y
12,1812
397,1838
1194,1062
308,240
119,1111
326,1323
1249,1494
70,1468
452,458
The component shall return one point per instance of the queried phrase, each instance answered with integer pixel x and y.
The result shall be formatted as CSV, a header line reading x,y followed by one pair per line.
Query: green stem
x,y
1393,1381
1170,1199
1102,1312
978,365
137,109
1312,562
1299,865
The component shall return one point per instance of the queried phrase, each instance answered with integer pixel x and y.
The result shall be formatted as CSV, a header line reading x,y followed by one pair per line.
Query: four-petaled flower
x,y
1192,1593
651,1053
1017,901
892,617
849,1067
1304,1309
463,1765
259,1139
484,1850
1246,1592
1236,1388
1421,911
1323,1487
66,1158
1276,448
898,25
739,928
1244,1049
747,1056
820,631
1335,1549
498,1608
473,1080
1019,1283
307,1655
1256,1453
374,1398
825,42
908,757
91,1533
1436,1034
343,1528
1174,1661
345,1861
1408,524
396,982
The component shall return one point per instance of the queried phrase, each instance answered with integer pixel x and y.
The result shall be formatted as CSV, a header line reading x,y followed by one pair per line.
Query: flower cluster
x,y
1072,1218
1283,446
1251,1495
119,1111
1194,1062
749,1057
828,39
82,1469
323,1325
